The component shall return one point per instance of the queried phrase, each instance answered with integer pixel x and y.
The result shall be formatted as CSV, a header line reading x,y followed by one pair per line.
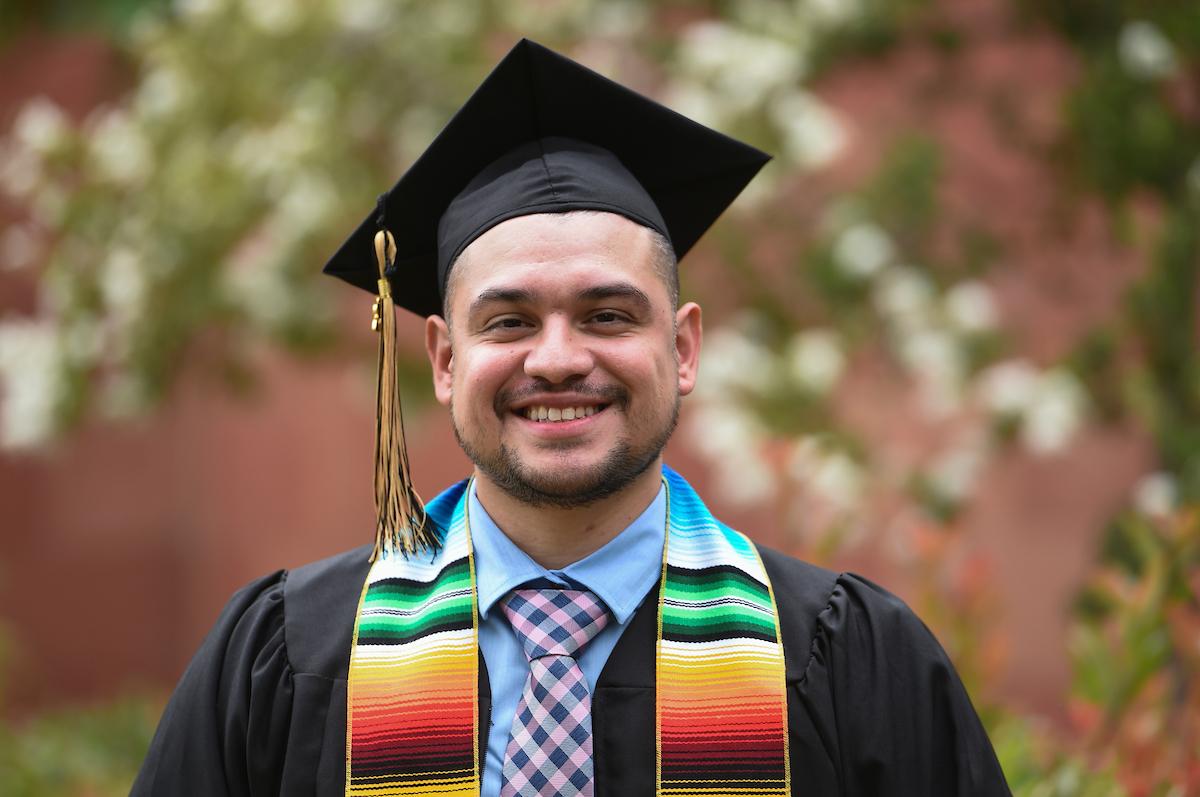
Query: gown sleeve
x,y
904,723
235,696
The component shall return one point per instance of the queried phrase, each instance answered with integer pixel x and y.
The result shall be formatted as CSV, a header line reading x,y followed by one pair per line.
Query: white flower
x,y
812,134
162,92
862,250
41,125
970,307
1055,414
619,20
829,474
199,9
1156,494
19,247
31,383
123,283
119,148
732,360
955,471
272,17
904,297
83,341
815,360
835,12
365,16
249,152
1008,388
1145,52
716,428
746,67
939,363
309,199
20,169
696,102
743,478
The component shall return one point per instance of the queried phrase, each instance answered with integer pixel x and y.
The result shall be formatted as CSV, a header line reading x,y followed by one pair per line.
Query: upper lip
x,y
559,400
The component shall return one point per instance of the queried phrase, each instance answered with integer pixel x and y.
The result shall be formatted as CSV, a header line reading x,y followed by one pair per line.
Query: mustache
x,y
603,394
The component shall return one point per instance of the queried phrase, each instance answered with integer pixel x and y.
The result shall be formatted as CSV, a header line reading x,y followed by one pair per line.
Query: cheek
x,y
480,375
645,368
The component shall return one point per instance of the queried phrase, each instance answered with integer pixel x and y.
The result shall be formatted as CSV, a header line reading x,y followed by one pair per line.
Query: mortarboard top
x,y
568,122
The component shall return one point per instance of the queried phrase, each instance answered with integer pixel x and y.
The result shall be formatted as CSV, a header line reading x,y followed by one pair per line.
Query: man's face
x,y
564,360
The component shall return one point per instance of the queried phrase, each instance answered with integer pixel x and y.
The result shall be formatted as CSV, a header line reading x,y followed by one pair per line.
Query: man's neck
x,y
555,537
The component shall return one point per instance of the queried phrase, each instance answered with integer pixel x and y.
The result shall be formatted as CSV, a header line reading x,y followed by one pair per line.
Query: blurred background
x,y
951,333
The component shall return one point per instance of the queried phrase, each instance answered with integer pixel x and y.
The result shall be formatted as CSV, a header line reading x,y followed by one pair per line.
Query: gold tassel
x,y
402,525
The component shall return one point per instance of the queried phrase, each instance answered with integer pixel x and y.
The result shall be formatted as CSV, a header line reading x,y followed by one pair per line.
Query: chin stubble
x,y
620,466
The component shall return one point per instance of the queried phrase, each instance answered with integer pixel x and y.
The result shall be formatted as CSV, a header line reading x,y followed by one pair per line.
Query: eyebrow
x,y
614,290
499,296
617,290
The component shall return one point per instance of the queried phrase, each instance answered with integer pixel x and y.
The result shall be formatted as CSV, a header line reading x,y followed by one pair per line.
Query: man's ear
x,y
441,356
688,332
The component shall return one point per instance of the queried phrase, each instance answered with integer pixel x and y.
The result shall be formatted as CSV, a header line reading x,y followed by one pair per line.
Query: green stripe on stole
x,y
718,651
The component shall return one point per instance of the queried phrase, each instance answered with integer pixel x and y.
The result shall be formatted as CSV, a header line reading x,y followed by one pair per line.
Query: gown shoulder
x,y
872,691
261,707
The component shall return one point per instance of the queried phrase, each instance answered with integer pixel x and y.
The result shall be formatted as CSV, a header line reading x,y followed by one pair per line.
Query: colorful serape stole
x,y
721,709
412,703
721,702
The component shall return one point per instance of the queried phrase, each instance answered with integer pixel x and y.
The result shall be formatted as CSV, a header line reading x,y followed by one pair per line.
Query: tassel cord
x,y
402,525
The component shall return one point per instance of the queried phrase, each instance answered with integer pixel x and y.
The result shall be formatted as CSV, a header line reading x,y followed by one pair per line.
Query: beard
x,y
574,487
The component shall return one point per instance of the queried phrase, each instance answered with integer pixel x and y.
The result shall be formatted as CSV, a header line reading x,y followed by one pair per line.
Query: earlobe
x,y
441,356
688,334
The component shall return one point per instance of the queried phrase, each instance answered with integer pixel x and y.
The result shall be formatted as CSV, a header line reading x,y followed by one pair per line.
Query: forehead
x,y
554,250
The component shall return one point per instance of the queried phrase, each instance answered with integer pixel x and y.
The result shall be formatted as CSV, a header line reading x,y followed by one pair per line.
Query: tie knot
x,y
554,622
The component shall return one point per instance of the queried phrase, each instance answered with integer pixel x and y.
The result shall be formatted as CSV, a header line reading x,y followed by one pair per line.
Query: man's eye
x,y
607,317
506,323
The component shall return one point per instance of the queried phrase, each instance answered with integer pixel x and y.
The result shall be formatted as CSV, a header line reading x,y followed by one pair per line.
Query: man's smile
x,y
550,414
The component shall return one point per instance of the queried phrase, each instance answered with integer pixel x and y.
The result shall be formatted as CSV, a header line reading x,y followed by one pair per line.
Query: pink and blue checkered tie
x,y
550,750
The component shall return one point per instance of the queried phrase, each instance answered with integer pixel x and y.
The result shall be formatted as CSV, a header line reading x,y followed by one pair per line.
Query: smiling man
x,y
571,620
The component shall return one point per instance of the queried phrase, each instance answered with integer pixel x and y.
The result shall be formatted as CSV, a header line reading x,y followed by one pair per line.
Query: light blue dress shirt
x,y
620,574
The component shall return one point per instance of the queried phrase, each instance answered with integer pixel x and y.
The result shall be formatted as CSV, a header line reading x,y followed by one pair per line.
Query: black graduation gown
x,y
874,705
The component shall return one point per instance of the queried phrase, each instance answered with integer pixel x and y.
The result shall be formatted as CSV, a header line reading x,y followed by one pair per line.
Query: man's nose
x,y
558,353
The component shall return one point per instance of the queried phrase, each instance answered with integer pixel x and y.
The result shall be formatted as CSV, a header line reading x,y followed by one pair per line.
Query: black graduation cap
x,y
544,134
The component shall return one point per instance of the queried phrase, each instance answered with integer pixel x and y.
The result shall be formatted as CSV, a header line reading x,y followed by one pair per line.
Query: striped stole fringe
x,y
720,707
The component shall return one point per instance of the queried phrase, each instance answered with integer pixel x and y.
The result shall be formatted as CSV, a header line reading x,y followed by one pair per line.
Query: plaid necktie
x,y
550,750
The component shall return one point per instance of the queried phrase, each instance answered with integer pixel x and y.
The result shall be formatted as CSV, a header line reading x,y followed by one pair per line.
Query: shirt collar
x,y
620,573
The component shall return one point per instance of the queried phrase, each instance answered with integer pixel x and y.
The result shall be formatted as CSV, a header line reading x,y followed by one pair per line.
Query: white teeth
x,y
559,414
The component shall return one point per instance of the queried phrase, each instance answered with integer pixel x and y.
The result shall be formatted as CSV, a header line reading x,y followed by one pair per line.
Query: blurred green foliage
x,y
112,16
92,751
1134,130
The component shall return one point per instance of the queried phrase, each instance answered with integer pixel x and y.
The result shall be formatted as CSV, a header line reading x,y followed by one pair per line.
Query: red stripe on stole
x,y
684,746
741,756
745,727
415,715
380,729
770,713
430,740
437,748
